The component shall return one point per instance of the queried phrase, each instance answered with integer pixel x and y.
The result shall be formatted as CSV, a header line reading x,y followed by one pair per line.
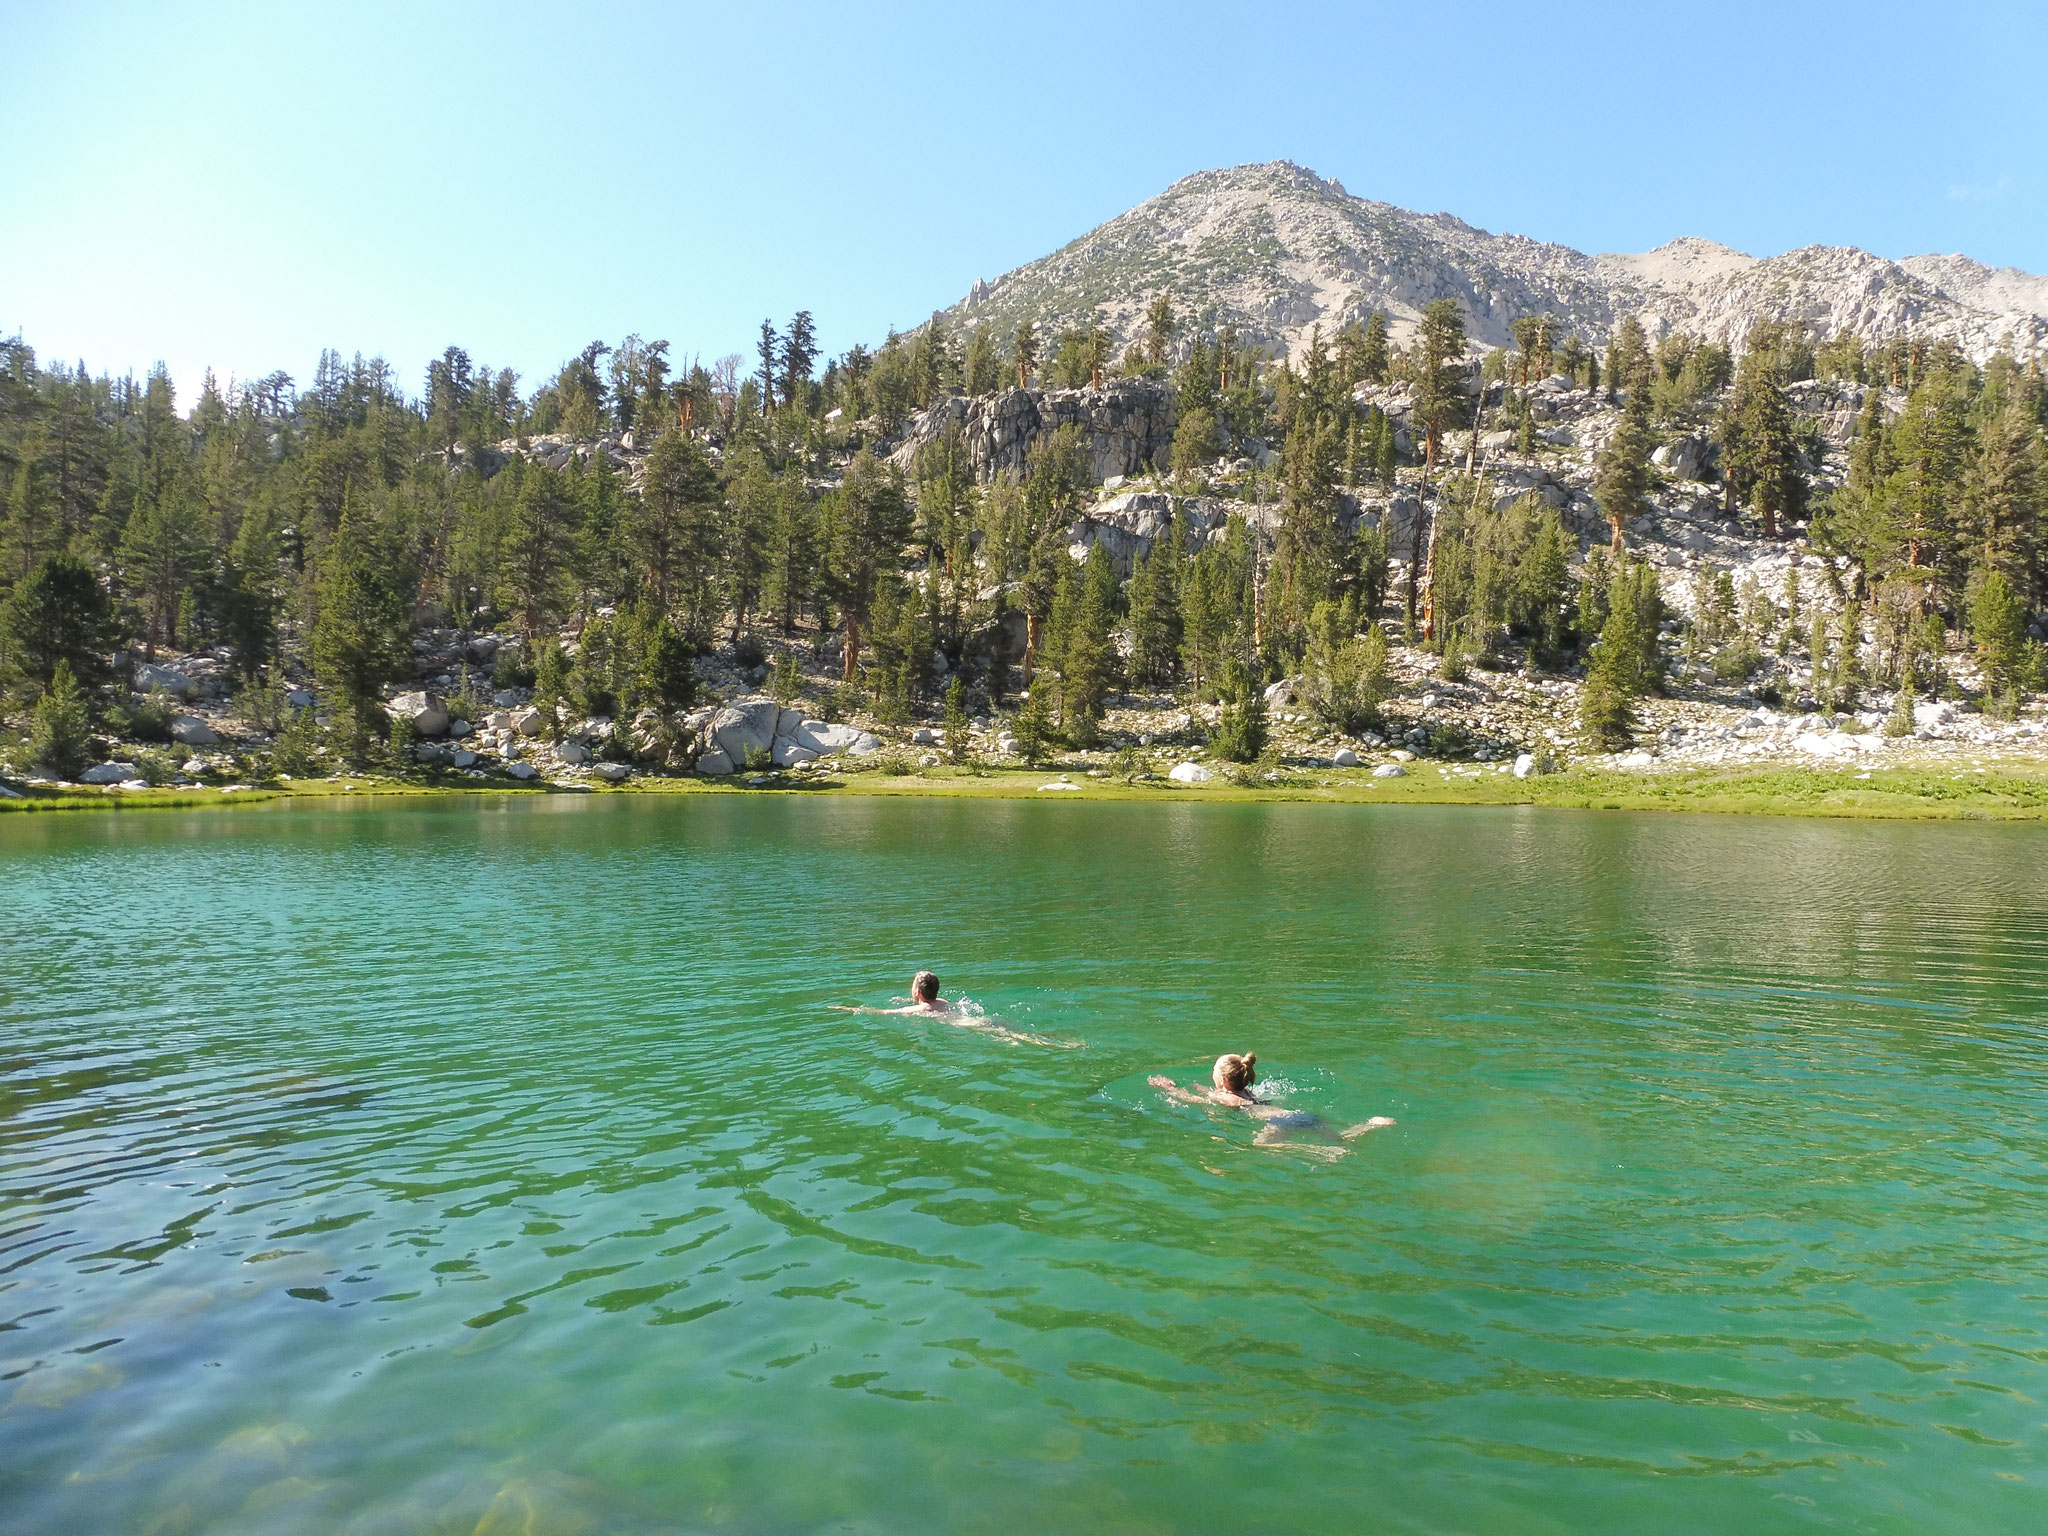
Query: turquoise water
x,y
497,1167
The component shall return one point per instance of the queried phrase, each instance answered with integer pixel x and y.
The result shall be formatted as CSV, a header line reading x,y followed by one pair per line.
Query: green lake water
x,y
496,1167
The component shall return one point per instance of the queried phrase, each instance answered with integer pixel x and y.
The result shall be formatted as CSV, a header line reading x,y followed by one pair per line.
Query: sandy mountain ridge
x,y
1276,249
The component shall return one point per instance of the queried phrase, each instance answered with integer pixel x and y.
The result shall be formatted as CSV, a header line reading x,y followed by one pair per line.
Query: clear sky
x,y
240,185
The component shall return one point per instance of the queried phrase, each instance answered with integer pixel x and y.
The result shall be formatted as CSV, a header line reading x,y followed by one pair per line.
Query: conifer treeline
x,y
349,513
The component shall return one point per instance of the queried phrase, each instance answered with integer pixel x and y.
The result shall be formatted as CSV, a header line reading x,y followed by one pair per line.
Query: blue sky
x,y
240,185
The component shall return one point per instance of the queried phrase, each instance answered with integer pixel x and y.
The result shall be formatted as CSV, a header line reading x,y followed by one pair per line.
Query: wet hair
x,y
1235,1072
924,986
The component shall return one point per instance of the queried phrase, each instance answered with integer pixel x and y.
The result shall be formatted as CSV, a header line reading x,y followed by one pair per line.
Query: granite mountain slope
x,y
1275,250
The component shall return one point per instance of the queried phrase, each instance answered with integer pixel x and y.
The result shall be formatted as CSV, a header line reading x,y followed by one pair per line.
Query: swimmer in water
x,y
924,998
925,1002
1230,1086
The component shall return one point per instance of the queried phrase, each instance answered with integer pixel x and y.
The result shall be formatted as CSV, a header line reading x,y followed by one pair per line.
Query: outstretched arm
x,y
1174,1091
1376,1123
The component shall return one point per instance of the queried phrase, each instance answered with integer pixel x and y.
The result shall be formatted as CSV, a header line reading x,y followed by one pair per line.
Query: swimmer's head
x,y
1234,1074
924,987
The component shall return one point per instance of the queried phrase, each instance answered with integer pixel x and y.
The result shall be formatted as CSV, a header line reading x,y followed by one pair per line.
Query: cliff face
x,y
1275,250
1127,424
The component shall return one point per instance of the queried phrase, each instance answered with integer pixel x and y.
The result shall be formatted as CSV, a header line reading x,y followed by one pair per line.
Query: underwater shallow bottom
x,y
492,1168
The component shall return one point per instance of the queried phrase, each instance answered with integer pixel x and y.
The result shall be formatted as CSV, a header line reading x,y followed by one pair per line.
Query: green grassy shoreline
x,y
2009,791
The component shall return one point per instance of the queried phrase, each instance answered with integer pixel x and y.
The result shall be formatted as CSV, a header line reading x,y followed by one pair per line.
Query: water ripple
x,y
492,1169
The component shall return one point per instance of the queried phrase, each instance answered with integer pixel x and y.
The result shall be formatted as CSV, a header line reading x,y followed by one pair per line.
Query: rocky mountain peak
x,y
1277,250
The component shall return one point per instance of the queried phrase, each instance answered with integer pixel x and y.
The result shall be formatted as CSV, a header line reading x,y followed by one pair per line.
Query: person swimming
x,y
1230,1086
925,1002
924,999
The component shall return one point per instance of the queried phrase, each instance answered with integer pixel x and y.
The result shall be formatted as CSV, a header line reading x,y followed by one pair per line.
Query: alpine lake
x,y
497,1168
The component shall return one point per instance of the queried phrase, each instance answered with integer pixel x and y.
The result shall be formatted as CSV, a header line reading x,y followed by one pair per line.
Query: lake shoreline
x,y
2008,791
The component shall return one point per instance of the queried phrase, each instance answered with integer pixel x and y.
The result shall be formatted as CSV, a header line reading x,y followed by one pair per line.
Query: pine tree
x,y
1628,358
956,722
292,754
1194,381
59,615
1999,625
1438,369
1308,544
537,576
984,371
359,640
1817,656
1759,445
746,538
1626,664
1344,674
1088,664
1621,476
1930,444
673,531
792,574
1024,351
1241,726
1542,595
600,558
1159,329
1032,726
668,666
59,729
1373,359
1848,672
768,348
249,598
1156,613
1194,445
2006,486
1524,329
870,523
161,555
29,531
1900,721
799,350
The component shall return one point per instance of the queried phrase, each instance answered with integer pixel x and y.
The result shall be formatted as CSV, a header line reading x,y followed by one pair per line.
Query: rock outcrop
x,y
1127,426
735,737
